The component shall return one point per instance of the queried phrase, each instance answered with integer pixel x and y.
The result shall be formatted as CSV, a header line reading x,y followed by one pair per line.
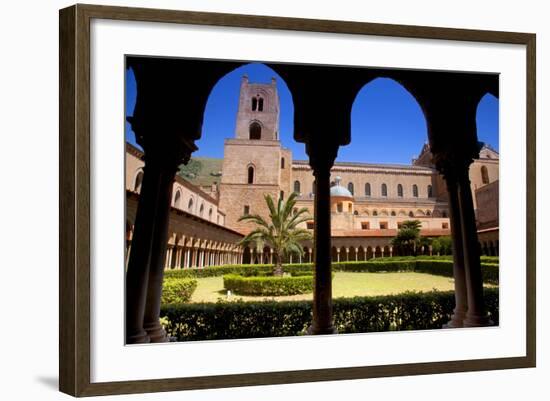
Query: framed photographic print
x,y
252,200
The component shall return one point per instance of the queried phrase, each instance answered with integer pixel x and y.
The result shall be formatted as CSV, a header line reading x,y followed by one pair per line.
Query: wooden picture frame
x,y
75,201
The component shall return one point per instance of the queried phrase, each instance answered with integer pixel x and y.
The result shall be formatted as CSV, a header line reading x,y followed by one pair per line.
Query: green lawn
x,y
345,284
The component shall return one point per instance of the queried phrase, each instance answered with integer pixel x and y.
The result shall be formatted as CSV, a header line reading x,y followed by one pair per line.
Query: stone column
x,y
151,322
391,252
309,252
356,254
321,161
476,316
338,254
461,300
270,256
137,276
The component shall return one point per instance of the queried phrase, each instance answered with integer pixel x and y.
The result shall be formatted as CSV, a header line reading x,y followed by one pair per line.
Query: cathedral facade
x,y
369,202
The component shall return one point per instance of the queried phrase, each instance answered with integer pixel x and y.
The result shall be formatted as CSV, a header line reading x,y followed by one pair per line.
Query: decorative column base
x,y
457,320
311,330
156,333
138,338
478,321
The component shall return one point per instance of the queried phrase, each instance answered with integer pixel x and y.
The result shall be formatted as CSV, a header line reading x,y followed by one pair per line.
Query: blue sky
x,y
384,116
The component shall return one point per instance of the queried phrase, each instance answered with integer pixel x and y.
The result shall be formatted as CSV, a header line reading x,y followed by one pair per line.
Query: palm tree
x,y
408,236
281,232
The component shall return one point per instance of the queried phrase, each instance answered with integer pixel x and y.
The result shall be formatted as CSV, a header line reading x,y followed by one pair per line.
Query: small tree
x,y
408,237
281,232
443,245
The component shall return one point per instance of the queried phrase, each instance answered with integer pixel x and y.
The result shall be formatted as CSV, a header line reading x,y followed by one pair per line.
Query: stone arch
x,y
297,186
370,252
334,253
343,254
361,254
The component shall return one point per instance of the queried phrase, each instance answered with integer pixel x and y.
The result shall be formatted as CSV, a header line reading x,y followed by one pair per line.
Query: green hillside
x,y
202,171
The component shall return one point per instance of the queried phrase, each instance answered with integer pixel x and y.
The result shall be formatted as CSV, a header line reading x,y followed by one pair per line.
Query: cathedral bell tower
x,y
254,163
258,115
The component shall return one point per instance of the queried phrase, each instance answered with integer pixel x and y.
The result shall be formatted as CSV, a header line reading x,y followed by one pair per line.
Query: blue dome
x,y
340,191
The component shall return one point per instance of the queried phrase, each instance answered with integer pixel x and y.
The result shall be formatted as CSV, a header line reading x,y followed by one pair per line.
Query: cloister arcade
x,y
171,97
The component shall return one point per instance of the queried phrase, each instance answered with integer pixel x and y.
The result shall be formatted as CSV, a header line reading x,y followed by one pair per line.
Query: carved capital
x,y
321,156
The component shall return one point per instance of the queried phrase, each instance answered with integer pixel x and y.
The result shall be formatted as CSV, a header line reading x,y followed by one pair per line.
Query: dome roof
x,y
340,191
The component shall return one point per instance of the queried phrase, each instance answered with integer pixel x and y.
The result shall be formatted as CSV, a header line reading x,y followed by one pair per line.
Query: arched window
x,y
400,190
282,162
255,130
350,187
375,213
177,199
251,174
139,180
430,191
340,207
484,175
190,205
297,187
393,212
261,104
415,191
411,214
384,190
201,210
282,195
367,189
254,104
210,214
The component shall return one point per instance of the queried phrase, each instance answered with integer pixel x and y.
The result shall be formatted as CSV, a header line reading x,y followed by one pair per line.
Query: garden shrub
x,y
437,265
177,290
268,285
231,320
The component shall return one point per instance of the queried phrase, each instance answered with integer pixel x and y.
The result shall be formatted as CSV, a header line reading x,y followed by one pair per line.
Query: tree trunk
x,y
278,268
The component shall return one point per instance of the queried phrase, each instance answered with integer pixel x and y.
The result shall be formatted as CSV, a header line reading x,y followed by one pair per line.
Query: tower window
x,y
246,210
484,175
282,162
255,131
250,174
415,191
190,205
297,187
400,190
430,191
384,190
367,189
254,104
350,187
177,199
260,104
282,194
340,207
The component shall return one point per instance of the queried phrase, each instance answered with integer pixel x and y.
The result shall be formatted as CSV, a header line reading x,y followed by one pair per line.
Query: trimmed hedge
x,y
177,290
440,266
268,285
232,320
